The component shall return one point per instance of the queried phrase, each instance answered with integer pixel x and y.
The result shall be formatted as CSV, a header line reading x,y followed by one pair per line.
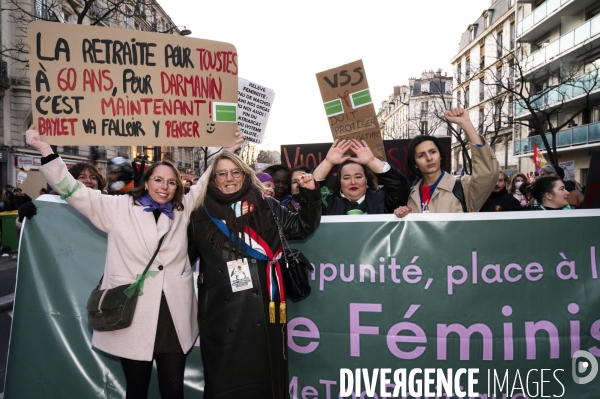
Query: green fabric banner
x,y
513,295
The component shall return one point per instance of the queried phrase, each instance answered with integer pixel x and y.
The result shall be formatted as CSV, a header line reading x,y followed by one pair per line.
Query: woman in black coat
x,y
242,317
355,192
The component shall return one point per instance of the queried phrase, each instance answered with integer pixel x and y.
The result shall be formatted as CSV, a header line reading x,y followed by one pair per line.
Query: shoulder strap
x,y
149,263
284,243
458,192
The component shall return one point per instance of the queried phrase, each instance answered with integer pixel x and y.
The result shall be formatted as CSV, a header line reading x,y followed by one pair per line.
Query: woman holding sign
x,y
355,192
241,299
440,192
152,218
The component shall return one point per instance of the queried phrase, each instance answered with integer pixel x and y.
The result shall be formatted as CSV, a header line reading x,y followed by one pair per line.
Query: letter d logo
x,y
582,367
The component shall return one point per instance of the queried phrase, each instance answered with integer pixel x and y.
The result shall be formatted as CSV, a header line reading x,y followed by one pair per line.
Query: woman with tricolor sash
x,y
241,297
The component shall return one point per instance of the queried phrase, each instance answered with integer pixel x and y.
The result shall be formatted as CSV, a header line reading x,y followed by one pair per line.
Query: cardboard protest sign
x,y
349,107
105,86
254,106
396,151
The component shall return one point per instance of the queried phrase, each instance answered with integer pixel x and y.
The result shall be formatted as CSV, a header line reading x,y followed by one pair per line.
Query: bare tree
x,y
135,14
546,98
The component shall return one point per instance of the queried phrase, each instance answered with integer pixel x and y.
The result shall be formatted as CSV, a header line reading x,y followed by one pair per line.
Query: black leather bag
x,y
296,275
112,309
297,267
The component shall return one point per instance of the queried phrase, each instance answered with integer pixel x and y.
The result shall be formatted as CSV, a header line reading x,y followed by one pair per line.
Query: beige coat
x,y
133,237
476,187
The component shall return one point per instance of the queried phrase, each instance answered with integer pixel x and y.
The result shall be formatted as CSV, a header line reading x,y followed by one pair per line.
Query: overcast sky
x,y
282,45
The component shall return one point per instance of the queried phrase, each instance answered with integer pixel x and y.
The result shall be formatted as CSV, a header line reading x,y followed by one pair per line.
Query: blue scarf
x,y
150,205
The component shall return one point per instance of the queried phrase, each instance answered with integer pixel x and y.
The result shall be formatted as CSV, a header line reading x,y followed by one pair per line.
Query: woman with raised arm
x,y
241,297
164,324
355,191
440,192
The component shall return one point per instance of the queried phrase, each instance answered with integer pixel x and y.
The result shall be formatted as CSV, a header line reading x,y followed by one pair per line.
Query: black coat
x,y
244,355
393,194
501,202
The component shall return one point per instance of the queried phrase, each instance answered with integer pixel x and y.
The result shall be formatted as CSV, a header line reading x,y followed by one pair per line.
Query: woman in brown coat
x,y
436,192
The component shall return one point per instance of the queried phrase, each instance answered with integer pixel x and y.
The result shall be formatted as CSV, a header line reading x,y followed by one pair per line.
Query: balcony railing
x,y
579,135
564,92
564,43
539,14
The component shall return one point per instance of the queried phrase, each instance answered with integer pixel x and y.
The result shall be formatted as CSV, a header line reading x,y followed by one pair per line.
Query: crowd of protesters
x,y
231,201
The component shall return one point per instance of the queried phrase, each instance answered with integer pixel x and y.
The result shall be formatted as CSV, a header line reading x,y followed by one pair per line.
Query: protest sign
x,y
106,86
569,168
254,106
427,292
311,155
349,107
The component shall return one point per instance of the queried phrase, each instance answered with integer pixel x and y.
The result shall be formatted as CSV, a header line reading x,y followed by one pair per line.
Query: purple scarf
x,y
150,205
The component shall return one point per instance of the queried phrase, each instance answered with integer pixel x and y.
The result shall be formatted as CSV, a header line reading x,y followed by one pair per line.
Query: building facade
x,y
15,94
417,108
484,76
559,52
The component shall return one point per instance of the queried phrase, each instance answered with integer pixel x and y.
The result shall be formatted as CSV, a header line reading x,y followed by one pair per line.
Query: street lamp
x,y
183,32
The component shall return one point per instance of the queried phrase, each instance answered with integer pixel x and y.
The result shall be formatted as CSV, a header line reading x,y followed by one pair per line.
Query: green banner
x,y
513,295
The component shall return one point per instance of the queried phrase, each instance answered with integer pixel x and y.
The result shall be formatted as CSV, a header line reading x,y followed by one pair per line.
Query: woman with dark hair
x,y
154,215
550,194
241,300
89,175
436,191
292,201
280,175
355,192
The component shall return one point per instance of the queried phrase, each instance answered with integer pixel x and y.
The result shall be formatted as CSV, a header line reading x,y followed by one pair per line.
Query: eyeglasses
x,y
159,182
222,174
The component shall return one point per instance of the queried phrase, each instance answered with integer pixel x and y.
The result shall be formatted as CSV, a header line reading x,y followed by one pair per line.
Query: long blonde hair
x,y
239,162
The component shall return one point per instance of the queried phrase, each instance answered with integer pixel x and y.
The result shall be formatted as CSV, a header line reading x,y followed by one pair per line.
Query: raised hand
x,y
33,138
363,153
238,142
461,117
458,115
335,155
307,181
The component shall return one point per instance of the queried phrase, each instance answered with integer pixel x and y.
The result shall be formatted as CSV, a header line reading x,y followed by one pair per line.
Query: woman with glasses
x,y
164,324
241,300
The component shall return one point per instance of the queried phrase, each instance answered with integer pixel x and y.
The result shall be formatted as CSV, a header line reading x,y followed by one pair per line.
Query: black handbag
x,y
112,309
297,267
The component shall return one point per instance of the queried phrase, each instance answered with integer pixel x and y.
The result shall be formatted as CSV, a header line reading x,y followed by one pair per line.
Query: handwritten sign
x,y
254,106
101,86
349,107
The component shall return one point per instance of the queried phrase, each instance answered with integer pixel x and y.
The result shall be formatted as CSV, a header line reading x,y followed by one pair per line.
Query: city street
x,y
8,273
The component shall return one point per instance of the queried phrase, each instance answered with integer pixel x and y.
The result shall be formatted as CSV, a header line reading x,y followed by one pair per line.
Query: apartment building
x,y
484,75
559,52
417,108
15,94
